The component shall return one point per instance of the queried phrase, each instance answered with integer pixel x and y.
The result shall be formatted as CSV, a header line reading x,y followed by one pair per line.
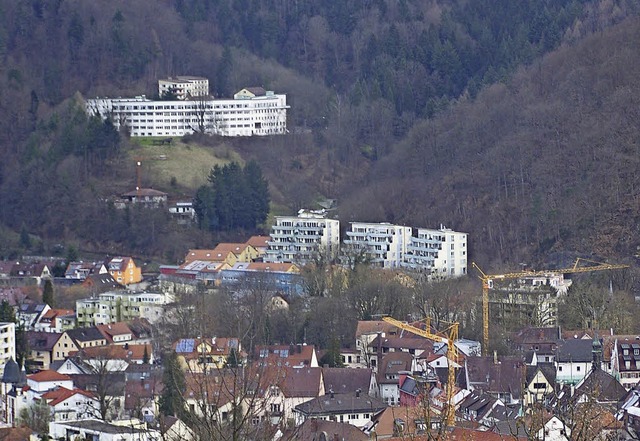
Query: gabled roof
x,y
344,380
48,375
105,281
393,363
259,241
575,350
547,369
118,263
114,330
117,352
256,90
61,394
506,376
145,192
374,326
406,342
601,386
285,355
537,335
42,341
294,382
334,404
85,334
311,429
272,267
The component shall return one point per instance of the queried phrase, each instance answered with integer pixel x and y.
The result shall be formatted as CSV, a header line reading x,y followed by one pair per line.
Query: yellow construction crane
x,y
448,336
487,284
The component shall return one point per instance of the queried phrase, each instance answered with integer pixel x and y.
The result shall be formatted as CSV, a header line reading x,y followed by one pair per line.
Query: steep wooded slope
x,y
545,162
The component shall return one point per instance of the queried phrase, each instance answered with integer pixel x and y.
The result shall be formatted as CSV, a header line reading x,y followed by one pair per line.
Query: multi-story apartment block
x,y
384,244
184,87
112,307
7,344
299,239
252,111
442,252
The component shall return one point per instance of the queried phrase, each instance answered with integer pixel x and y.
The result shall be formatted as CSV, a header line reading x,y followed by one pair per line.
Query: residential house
x,y
622,358
47,380
405,342
71,404
573,360
629,411
87,337
99,283
485,409
346,380
539,384
229,253
124,270
500,377
29,314
82,270
405,421
543,342
183,211
37,271
57,320
141,398
366,332
354,408
389,371
260,243
281,389
203,355
146,197
48,347
300,355
116,358
116,333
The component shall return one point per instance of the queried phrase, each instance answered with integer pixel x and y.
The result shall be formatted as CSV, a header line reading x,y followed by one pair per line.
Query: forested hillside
x,y
394,112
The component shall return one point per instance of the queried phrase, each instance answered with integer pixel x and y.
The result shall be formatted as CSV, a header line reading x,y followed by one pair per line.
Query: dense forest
x,y
514,121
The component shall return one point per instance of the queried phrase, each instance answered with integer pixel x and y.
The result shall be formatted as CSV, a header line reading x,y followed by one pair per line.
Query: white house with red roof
x,y
71,404
47,380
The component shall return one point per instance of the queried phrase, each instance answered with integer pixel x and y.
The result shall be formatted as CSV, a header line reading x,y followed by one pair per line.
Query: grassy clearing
x,y
189,163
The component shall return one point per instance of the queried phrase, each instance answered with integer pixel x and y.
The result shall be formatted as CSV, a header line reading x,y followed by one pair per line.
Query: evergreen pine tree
x,y
47,293
171,400
145,356
7,314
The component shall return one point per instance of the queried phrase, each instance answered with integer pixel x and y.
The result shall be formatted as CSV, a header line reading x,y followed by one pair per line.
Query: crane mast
x,y
487,281
448,336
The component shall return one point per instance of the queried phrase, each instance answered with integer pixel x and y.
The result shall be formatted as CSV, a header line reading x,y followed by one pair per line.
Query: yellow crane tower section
x,y
448,336
580,266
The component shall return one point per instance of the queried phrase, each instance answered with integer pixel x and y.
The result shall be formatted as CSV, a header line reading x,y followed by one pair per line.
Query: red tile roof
x,y
48,375
60,394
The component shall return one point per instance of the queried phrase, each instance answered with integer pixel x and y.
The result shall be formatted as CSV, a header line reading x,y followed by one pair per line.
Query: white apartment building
x,y
184,87
7,344
442,252
298,239
118,306
385,244
252,112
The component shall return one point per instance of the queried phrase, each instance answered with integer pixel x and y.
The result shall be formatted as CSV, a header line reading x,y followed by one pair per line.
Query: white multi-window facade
x,y
384,244
442,252
184,87
7,344
247,114
299,239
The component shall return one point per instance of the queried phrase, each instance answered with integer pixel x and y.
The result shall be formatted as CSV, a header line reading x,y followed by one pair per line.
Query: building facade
x,y
384,244
113,307
251,112
441,252
7,344
183,87
300,239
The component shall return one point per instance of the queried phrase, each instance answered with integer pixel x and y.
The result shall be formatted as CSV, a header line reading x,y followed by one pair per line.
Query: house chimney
x,y
299,348
358,393
331,392
495,357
